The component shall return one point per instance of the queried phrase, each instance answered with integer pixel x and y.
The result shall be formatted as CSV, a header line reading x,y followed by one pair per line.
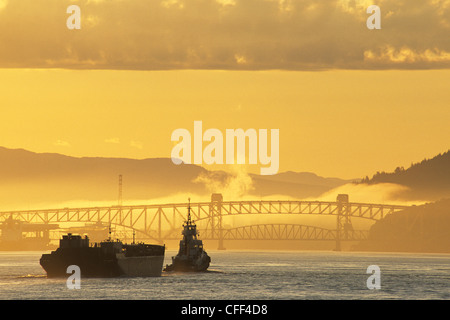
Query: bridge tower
x,y
215,213
343,223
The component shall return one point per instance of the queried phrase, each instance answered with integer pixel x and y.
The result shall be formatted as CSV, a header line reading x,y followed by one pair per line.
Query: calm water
x,y
242,275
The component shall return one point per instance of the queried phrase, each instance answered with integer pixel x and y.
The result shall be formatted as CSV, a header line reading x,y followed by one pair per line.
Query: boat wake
x,y
214,271
32,276
191,272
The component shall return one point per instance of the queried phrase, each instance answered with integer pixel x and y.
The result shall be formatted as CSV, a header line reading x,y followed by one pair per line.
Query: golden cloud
x,y
225,34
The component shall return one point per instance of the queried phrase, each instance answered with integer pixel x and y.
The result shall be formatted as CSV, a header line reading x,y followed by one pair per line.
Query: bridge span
x,y
285,232
163,221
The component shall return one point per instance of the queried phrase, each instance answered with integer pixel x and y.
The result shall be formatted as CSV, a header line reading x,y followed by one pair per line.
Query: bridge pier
x,y
343,224
215,211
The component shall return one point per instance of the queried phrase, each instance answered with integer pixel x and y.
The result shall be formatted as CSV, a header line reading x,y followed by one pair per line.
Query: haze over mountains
x,y
28,179
426,180
422,228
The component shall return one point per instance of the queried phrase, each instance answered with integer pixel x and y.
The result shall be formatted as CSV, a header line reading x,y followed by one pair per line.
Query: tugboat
x,y
191,257
108,258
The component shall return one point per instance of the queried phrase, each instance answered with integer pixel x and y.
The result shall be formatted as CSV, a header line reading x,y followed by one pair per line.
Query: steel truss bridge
x,y
163,221
285,232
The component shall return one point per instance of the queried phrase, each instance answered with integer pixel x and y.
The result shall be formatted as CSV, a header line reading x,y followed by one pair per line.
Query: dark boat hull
x,y
183,264
94,262
91,261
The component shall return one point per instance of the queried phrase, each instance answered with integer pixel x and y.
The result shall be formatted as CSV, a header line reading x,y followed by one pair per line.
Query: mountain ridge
x,y
31,177
428,179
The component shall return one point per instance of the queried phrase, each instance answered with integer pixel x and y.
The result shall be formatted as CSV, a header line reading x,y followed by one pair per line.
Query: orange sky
x,y
348,101
334,123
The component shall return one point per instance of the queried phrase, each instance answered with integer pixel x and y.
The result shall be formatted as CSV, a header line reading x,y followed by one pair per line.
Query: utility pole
x,y
120,191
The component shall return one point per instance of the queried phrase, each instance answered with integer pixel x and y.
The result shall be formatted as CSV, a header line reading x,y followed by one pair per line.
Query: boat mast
x,y
189,211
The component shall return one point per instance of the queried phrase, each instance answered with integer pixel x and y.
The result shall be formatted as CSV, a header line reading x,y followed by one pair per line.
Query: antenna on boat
x,y
134,234
189,210
109,232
